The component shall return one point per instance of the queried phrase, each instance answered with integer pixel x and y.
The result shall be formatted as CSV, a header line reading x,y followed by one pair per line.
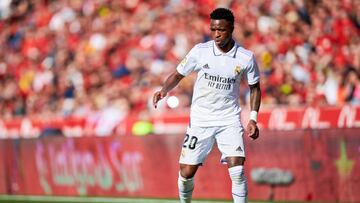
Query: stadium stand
x,y
61,58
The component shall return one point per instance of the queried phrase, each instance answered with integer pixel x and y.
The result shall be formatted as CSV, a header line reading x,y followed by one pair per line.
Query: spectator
x,y
58,57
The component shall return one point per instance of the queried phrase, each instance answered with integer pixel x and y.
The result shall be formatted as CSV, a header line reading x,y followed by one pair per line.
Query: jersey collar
x,y
231,53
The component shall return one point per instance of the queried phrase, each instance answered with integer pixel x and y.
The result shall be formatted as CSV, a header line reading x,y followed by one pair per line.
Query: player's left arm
x,y
255,100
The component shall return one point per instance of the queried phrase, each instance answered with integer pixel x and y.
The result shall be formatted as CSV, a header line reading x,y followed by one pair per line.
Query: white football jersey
x,y
215,99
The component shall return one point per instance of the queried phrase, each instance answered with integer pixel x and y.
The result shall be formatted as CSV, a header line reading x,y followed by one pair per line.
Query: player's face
x,y
221,32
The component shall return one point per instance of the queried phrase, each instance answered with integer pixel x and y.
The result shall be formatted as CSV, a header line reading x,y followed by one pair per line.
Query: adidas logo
x,y
239,149
206,66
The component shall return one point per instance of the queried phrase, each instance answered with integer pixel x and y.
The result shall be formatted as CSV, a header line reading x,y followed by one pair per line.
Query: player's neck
x,y
227,47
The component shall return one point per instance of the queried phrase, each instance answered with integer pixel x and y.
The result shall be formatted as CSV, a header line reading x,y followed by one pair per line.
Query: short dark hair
x,y
222,14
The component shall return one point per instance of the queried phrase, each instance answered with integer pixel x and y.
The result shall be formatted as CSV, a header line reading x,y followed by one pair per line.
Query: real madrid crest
x,y
237,70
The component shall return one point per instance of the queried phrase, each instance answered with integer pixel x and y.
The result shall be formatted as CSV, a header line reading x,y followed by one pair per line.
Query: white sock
x,y
239,185
186,187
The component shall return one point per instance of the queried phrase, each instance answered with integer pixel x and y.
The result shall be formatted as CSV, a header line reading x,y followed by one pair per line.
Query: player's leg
x,y
186,182
197,145
238,179
230,144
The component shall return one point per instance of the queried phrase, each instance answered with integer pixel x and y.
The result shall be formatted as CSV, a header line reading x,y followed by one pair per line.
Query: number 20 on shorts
x,y
190,141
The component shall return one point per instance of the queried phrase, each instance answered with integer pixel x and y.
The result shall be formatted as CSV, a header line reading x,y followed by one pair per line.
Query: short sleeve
x,y
189,63
252,72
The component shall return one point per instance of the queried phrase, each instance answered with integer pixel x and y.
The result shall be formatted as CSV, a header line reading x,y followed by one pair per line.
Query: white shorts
x,y
199,141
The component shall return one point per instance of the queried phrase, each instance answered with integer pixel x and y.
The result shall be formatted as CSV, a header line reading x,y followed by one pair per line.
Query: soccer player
x,y
215,112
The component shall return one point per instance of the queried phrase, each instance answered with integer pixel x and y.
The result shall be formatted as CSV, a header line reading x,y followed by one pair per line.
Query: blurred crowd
x,y
92,57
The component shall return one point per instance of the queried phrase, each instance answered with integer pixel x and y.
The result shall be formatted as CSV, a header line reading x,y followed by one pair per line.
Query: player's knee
x,y
188,171
235,161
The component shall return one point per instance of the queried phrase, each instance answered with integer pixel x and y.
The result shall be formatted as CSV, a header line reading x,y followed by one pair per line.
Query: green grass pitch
x,y
62,199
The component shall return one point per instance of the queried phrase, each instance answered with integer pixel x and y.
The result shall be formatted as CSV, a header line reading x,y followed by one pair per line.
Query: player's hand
x,y
158,96
252,130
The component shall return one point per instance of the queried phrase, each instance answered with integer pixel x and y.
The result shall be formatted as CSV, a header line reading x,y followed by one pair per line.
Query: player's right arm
x,y
187,65
169,84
